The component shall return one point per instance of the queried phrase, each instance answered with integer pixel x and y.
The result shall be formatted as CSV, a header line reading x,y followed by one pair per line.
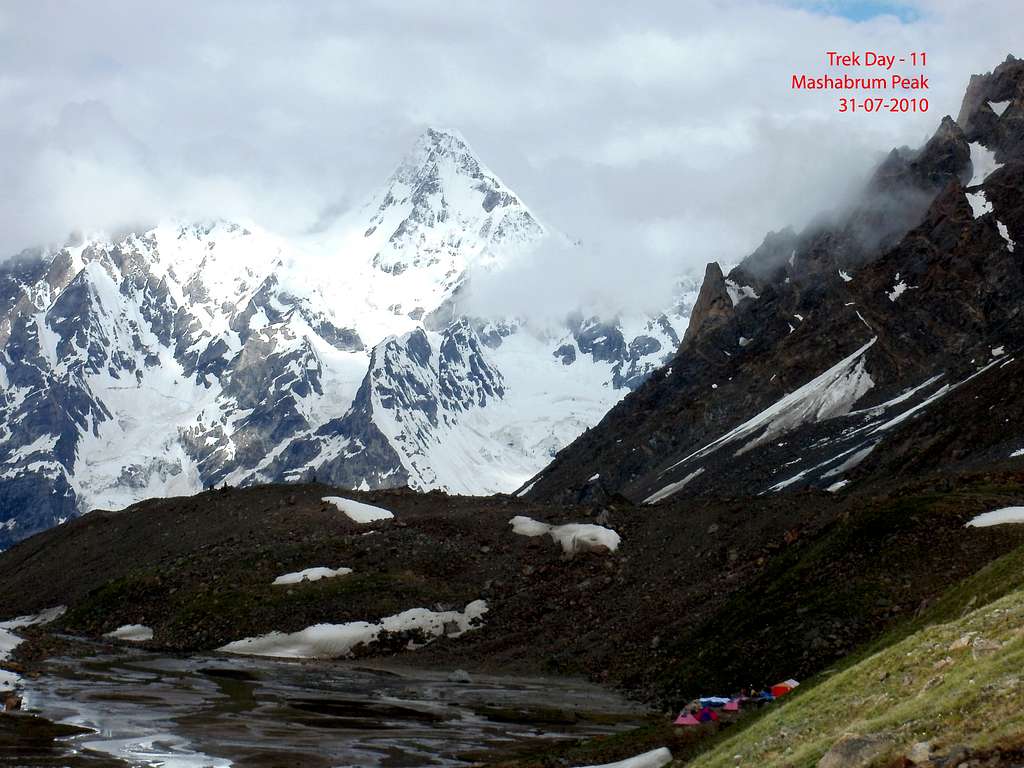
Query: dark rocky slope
x,y
833,355
701,596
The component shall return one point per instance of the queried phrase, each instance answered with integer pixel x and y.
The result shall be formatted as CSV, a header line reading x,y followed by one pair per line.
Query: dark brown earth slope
x,y
703,595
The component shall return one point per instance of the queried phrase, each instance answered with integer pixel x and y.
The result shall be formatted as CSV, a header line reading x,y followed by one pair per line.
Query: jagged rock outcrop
x,y
713,308
992,111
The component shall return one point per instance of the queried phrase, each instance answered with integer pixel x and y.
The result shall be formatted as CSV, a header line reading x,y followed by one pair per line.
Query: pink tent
x,y
732,706
686,719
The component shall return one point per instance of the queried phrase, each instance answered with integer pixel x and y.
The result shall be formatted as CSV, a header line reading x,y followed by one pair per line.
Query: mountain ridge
x,y
931,276
190,355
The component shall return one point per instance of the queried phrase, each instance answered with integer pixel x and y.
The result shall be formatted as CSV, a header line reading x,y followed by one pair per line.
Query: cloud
x,y
636,270
662,136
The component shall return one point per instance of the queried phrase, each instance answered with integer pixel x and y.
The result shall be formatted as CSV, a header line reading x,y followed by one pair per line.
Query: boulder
x,y
853,751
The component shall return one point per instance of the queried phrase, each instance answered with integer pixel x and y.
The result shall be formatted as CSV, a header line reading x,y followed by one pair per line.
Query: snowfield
x,y
332,641
831,394
311,574
357,511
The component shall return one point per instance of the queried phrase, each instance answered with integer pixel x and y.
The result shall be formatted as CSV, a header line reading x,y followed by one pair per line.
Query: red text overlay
x,y
871,81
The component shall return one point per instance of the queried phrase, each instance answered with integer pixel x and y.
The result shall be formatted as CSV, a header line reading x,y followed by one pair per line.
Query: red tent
x,y
781,689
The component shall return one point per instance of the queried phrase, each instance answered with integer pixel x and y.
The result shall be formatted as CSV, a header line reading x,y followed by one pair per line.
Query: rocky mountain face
x,y
160,362
879,341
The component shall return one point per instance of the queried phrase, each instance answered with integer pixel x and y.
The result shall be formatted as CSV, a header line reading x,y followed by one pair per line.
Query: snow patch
x,y
656,758
998,107
832,393
9,640
983,161
900,418
526,489
672,488
937,395
1005,233
997,517
856,456
311,574
135,633
979,205
738,293
330,641
899,288
573,537
878,410
358,512
853,457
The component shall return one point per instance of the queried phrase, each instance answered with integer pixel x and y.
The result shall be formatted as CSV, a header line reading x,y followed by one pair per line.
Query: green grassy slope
x,y
952,677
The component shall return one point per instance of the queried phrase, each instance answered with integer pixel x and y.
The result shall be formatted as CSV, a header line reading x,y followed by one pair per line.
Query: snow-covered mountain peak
x,y
158,362
443,209
434,147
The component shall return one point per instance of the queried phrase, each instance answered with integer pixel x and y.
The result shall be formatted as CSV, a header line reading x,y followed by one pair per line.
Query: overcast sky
x,y
660,134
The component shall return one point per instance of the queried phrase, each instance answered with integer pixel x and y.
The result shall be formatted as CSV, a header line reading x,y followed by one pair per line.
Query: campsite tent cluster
x,y
705,709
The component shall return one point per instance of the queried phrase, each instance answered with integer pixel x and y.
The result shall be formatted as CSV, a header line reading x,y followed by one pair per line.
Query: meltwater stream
x,y
187,712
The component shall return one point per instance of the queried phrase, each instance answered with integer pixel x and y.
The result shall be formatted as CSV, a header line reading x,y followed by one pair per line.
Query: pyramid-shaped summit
x,y
436,147
443,206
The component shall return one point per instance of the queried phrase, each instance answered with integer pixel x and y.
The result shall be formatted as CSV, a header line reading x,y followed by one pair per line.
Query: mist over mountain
x,y
667,132
833,356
